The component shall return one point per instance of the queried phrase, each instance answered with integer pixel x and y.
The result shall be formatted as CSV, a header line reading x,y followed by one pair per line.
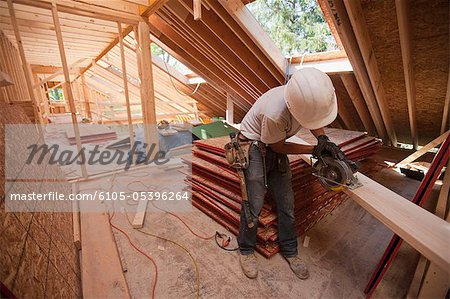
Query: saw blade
x,y
333,174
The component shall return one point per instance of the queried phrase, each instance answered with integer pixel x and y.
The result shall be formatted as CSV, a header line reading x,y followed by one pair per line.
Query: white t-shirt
x,y
269,119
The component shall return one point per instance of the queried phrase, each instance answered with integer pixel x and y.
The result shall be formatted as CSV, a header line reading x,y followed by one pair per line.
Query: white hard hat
x,y
310,98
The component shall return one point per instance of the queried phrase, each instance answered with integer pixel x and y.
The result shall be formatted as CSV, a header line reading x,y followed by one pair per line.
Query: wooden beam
x,y
436,282
147,88
101,272
245,19
342,23
125,85
230,110
356,16
85,9
68,87
446,110
416,155
406,219
152,8
25,66
108,48
58,72
87,97
197,9
43,97
321,56
351,85
408,69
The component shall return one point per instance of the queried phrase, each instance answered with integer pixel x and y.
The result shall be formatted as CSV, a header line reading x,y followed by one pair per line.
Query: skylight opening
x,y
169,59
296,26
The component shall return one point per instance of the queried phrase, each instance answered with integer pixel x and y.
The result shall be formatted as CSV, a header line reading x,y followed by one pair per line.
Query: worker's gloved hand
x,y
326,147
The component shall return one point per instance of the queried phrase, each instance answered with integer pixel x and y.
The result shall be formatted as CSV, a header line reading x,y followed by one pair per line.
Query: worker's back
x,y
269,119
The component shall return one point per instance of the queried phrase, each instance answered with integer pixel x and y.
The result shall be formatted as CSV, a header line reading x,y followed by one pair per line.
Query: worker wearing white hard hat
x,y
308,100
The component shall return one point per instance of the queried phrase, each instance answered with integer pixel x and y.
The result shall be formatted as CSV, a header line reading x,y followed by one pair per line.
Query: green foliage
x,y
296,26
56,95
167,58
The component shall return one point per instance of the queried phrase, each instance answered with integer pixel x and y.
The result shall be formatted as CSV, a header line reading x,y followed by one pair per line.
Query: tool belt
x,y
237,154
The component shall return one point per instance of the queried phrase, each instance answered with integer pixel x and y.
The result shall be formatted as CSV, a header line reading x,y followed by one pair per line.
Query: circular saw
x,y
336,174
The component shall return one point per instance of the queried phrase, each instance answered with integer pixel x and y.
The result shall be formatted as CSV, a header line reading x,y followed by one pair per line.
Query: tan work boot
x,y
249,265
298,267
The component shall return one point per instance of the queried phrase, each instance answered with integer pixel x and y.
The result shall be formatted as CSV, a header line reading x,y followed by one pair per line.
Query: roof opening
x,y
296,26
169,59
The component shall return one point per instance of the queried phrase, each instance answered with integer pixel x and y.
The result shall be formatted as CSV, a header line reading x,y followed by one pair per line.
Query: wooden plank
x,y
86,96
321,56
342,23
101,271
446,110
146,13
197,9
417,154
58,72
68,88
25,66
125,85
356,16
414,287
147,88
441,205
85,9
436,281
351,85
408,70
248,23
230,110
424,231
76,218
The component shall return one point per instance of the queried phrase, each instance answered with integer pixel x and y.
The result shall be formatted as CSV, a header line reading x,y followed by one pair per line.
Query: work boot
x,y
249,265
298,267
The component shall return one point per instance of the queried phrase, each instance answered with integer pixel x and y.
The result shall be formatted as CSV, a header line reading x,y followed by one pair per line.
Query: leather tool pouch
x,y
234,157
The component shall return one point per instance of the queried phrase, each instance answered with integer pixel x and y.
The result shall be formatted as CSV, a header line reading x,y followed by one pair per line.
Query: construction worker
x,y
308,100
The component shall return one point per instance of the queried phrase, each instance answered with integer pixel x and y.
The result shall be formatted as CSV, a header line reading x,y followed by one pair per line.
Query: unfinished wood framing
x,y
230,110
344,28
416,155
446,112
86,96
435,282
197,9
351,85
68,89
25,66
405,42
125,85
357,20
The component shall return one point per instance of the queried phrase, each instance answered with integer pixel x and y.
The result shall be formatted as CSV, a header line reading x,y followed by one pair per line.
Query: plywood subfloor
x,y
343,250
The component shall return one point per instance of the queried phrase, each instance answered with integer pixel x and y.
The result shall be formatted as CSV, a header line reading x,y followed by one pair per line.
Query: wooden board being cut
x,y
424,231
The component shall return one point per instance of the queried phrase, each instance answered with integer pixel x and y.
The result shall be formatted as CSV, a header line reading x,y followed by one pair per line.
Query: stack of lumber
x,y
216,190
91,134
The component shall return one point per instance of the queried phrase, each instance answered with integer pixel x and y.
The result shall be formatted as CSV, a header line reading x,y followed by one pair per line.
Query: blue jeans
x,y
280,188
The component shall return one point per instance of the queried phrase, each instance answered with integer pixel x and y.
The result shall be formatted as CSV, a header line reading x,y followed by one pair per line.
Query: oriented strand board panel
x,y
38,257
429,27
381,21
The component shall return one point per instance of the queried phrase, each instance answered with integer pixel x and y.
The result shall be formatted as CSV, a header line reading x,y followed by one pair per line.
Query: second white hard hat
x,y
311,99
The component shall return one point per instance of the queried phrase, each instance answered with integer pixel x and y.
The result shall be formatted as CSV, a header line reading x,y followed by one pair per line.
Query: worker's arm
x,y
290,148
283,147
318,132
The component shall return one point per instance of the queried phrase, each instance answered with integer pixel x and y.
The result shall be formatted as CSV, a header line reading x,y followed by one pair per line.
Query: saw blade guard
x,y
333,174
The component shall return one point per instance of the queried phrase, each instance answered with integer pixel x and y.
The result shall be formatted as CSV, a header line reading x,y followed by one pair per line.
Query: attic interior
x,y
93,76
